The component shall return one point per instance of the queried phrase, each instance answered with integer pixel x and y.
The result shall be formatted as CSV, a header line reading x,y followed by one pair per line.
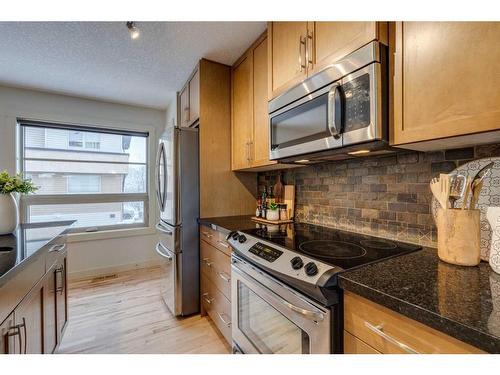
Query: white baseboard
x,y
104,271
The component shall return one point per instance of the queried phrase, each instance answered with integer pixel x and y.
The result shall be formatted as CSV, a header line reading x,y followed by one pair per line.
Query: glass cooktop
x,y
332,246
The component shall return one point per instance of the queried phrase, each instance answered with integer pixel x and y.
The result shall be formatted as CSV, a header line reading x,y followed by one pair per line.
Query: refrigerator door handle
x,y
158,183
163,252
164,200
162,229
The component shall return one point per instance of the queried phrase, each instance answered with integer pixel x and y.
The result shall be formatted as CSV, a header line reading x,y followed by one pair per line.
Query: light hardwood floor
x,y
125,314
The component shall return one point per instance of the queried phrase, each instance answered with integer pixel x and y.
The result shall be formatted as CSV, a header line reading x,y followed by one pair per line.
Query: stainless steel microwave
x,y
341,109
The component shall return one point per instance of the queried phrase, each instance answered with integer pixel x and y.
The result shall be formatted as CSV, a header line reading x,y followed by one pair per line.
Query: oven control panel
x,y
265,252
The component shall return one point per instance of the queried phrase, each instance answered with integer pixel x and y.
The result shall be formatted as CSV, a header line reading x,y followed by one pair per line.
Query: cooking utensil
x,y
457,188
477,184
436,191
468,188
278,189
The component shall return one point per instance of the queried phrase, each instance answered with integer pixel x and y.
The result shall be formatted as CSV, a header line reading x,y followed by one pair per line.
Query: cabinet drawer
x,y
216,266
353,345
389,332
215,238
55,251
217,307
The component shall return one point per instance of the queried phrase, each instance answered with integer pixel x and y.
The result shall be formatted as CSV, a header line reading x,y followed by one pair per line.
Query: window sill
x,y
110,234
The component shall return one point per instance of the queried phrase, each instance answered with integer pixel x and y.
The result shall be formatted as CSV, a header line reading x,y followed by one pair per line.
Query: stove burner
x,y
379,244
332,249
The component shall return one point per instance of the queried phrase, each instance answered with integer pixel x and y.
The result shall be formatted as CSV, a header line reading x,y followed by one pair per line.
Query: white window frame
x,y
43,199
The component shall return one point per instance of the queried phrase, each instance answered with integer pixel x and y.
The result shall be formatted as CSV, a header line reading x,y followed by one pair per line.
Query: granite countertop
x,y
463,302
228,224
17,248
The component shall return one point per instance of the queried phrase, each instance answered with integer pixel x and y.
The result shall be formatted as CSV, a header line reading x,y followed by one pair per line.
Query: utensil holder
x,y
459,236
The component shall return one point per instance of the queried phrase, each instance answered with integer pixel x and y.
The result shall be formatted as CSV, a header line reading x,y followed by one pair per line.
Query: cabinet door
x,y
287,60
61,297
50,314
446,79
260,110
330,41
29,316
242,114
184,111
194,97
9,336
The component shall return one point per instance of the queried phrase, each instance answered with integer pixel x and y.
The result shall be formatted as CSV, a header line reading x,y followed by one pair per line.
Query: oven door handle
x,y
312,315
335,97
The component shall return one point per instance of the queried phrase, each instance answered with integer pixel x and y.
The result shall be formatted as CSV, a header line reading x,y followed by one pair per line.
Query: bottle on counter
x,y
271,199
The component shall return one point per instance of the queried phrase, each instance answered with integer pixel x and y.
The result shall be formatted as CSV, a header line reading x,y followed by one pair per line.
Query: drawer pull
x,y
224,276
223,244
206,262
379,331
207,299
57,248
206,234
225,320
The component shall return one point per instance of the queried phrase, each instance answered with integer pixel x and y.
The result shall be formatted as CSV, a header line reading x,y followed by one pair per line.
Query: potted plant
x,y
272,212
9,216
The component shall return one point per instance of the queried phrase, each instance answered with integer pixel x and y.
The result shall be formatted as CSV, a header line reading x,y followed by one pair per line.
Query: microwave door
x,y
362,112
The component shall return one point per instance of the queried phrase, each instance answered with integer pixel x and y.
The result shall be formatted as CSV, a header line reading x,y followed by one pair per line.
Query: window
x,y
97,177
83,184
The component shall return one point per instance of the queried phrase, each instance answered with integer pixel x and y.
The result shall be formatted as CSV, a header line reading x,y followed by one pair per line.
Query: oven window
x,y
266,328
357,103
305,123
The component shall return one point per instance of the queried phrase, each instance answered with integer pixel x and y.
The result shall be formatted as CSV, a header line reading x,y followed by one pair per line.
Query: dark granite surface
x,y
18,248
228,224
463,302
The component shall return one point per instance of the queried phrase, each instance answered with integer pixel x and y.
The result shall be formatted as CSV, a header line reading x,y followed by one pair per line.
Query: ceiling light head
x,y
134,31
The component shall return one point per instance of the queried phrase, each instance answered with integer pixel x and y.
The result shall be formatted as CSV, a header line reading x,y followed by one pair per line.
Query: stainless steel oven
x,y
270,317
343,105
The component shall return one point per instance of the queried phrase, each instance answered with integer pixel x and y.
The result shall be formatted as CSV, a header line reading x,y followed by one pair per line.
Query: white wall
x,y
95,256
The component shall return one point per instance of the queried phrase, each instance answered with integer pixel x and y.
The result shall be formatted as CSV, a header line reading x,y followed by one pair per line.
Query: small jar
x,y
273,215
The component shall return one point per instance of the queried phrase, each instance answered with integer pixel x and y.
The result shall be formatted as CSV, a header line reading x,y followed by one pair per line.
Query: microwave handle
x,y
335,116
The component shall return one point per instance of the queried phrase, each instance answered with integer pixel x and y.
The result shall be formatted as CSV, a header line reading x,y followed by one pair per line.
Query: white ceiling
x,y
99,60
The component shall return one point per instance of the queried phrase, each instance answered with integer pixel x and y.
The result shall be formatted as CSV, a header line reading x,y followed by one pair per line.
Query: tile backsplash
x,y
387,196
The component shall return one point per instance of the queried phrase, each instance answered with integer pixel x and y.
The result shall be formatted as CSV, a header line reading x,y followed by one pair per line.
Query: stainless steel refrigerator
x,y
177,193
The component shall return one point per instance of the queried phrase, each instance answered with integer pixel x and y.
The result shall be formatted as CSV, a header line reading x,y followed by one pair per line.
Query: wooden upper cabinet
x,y
330,41
298,50
190,100
194,97
261,141
286,54
242,113
184,106
249,116
446,80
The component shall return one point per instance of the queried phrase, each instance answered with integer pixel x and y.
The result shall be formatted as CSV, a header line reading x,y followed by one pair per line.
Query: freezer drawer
x,y
170,285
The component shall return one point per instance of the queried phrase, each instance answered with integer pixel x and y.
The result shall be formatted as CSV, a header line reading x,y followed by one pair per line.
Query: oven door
x,y
269,317
361,105
302,127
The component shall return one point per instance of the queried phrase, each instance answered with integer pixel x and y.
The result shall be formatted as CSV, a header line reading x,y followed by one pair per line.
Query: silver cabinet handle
x,y
206,262
60,289
163,252
57,248
379,331
226,321
223,244
224,276
162,229
207,299
309,46
302,42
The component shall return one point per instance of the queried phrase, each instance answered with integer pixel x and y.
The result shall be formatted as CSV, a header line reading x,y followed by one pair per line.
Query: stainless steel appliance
x,y
177,192
285,297
338,113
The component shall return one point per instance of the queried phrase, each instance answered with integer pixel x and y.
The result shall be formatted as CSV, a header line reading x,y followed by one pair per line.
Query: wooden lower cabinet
x,y
215,276
29,317
378,329
37,323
